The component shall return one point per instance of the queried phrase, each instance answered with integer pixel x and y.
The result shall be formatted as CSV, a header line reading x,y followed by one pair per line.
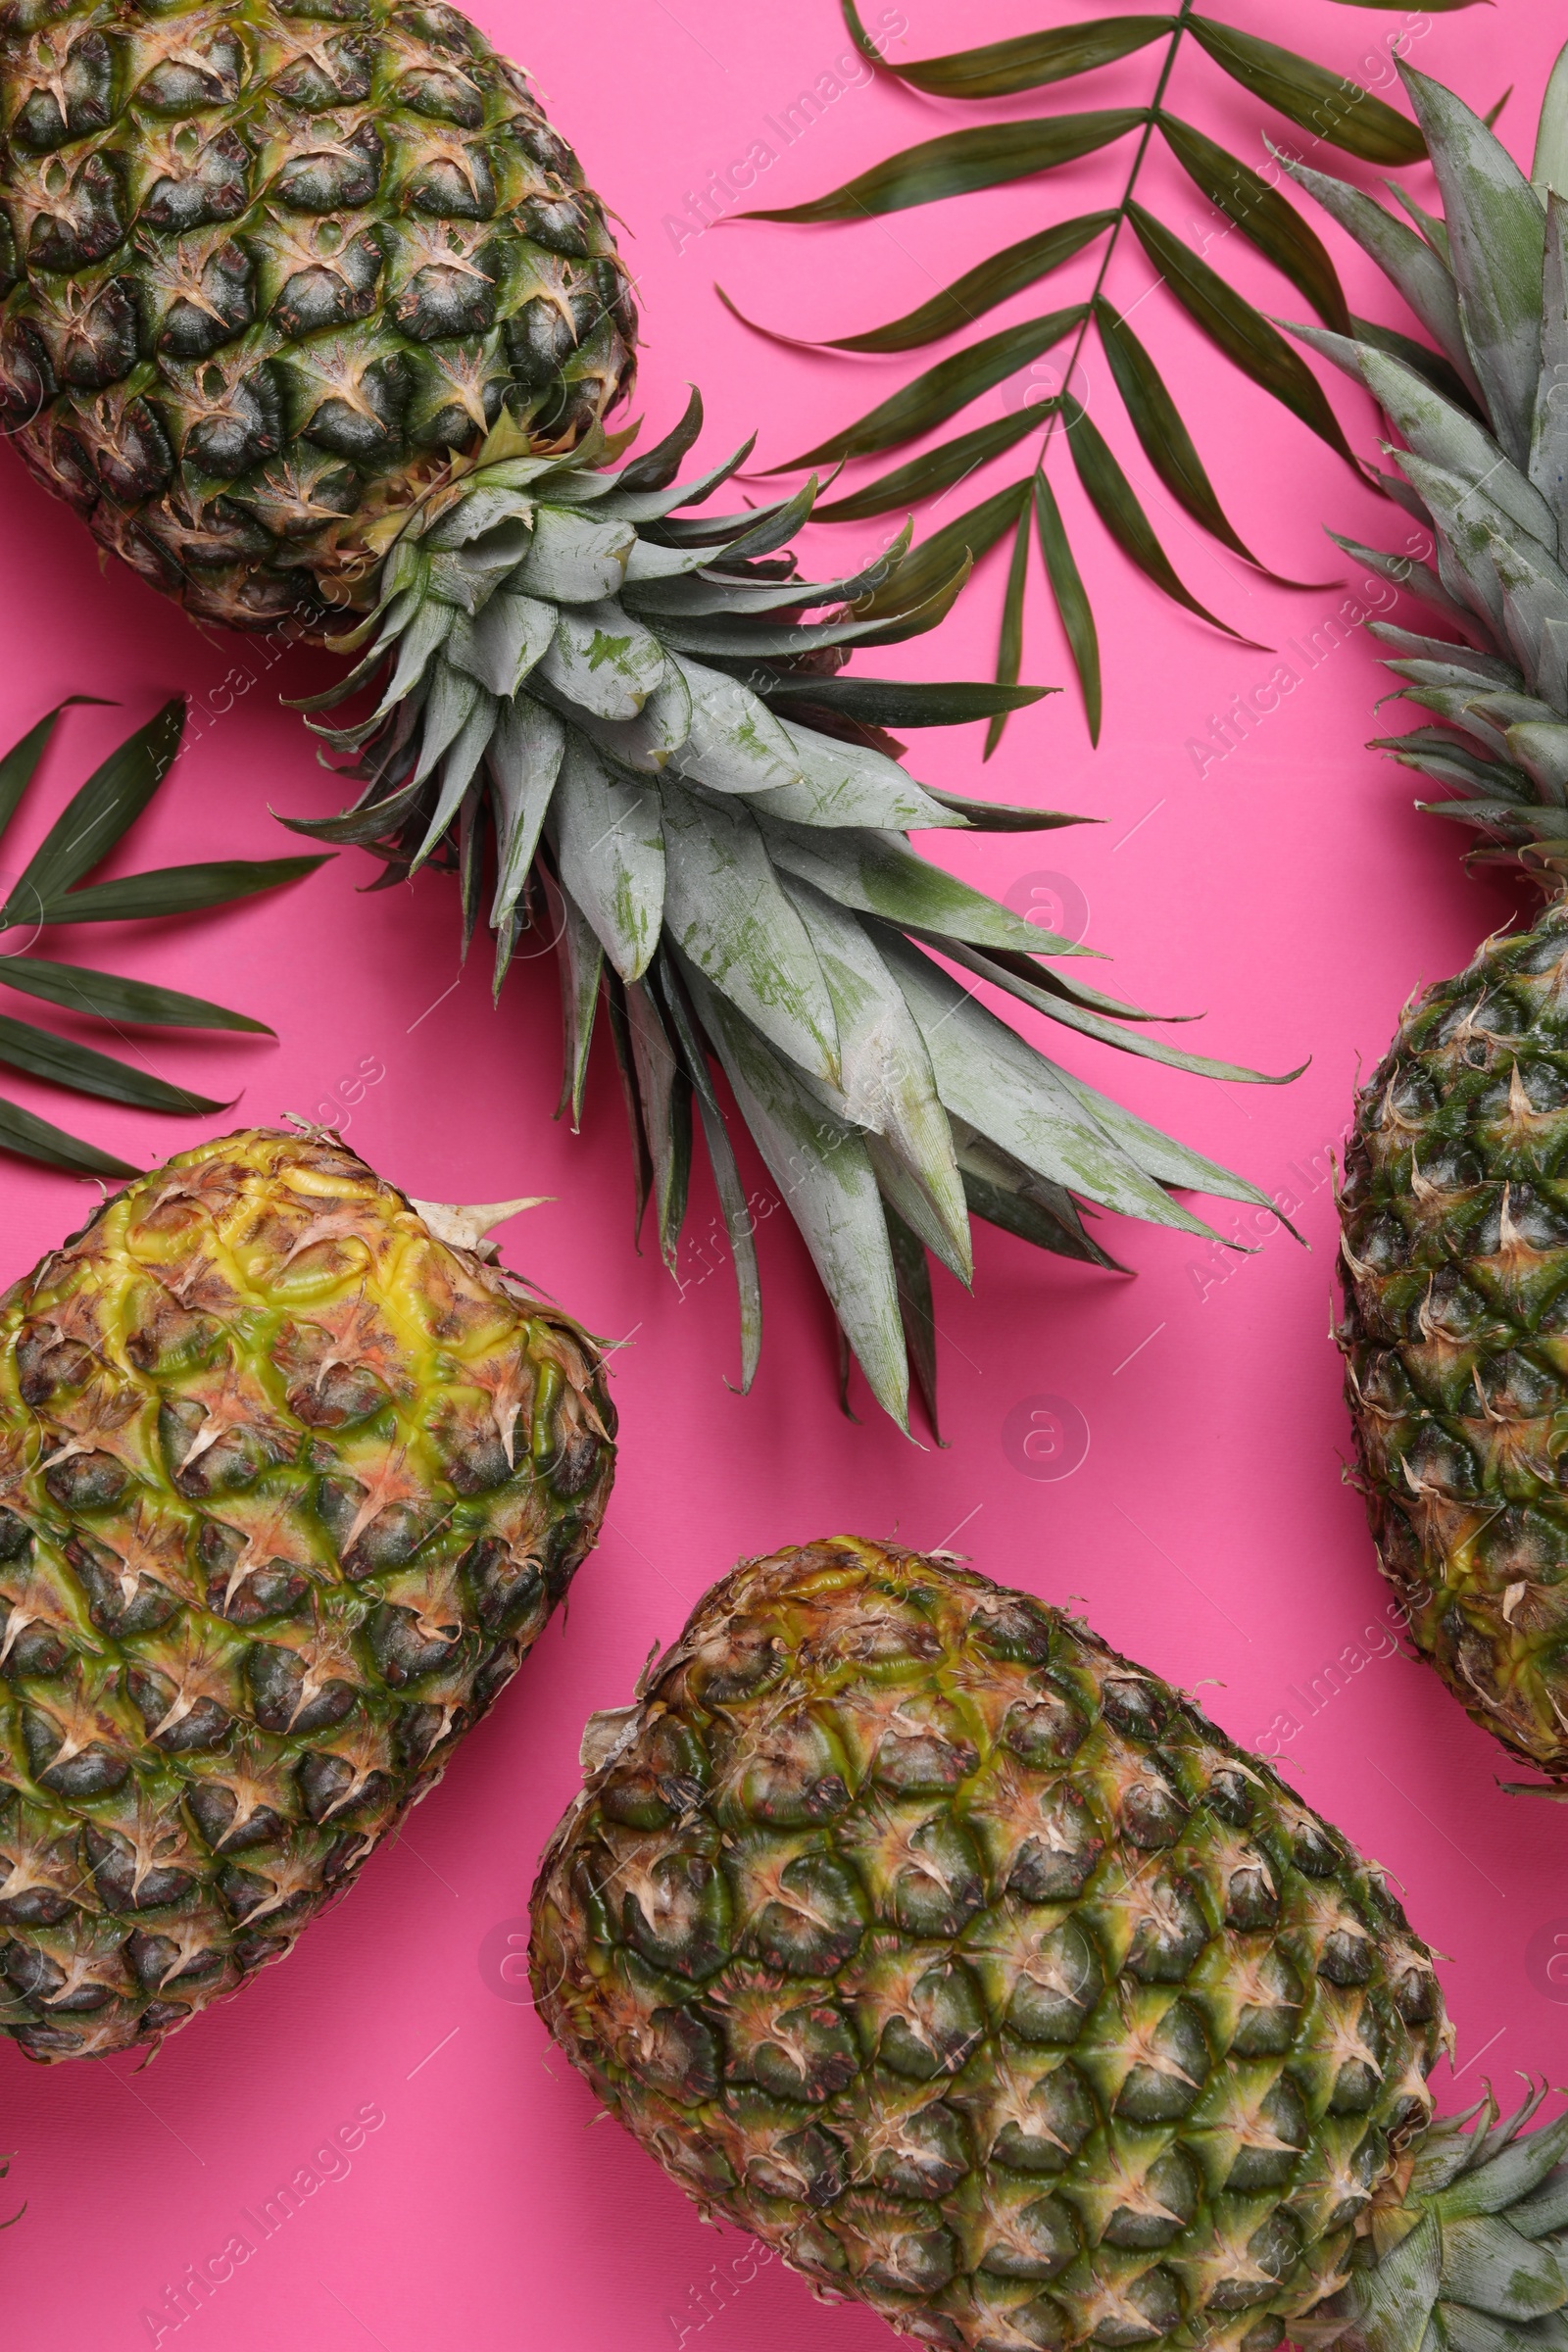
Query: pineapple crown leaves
x,y
1483,451
53,890
630,700
1330,109
1475,2252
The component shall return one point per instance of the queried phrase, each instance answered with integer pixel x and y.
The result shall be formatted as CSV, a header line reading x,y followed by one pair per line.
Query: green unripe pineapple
x,y
915,1932
288,1485
267,266
1456,1206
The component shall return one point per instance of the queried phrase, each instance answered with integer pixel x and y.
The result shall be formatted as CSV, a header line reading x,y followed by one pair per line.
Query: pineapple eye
x,y
213,382
329,235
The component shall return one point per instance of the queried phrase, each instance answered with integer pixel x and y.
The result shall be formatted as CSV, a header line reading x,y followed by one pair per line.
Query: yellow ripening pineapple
x,y
291,1476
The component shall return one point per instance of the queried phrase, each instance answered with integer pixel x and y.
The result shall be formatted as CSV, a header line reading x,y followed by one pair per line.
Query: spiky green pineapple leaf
x,y
1060,1007
740,1221
1021,1100
729,915
610,846
947,557
820,1164
886,1078
1497,228
1421,274
1549,168
719,866
876,873
657,466
1006,1194
580,962
665,1094
911,1274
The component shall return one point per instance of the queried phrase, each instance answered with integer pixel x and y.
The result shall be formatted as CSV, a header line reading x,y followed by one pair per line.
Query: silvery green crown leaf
x,y
622,718
1483,449
1472,2253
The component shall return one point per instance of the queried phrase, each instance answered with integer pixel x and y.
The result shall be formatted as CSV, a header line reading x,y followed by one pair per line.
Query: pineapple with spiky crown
x,y
966,1963
1455,1205
305,307
291,1476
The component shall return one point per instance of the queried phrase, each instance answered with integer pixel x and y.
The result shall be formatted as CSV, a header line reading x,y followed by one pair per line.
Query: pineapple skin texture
x,y
264,267
287,1488
1455,1260
917,1931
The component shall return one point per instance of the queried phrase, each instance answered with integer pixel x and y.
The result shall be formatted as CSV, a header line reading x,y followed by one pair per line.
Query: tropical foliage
x,y
993,153
52,890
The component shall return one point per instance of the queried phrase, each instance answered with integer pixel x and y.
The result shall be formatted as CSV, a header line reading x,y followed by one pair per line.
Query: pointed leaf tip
x,y
468,1226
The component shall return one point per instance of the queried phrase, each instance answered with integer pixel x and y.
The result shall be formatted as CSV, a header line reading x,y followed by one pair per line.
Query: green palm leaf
x,y
962,161
1242,334
1320,100
992,153
968,298
1115,502
1003,68
1263,215
1166,442
943,390
52,892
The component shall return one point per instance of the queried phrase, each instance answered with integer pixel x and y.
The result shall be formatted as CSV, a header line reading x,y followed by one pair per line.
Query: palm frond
x,y
1025,151
54,889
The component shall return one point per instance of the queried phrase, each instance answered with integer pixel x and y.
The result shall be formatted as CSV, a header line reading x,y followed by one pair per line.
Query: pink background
x,y
1289,892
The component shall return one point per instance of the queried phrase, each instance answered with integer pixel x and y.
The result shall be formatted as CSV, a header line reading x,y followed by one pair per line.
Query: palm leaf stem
x,y
1119,223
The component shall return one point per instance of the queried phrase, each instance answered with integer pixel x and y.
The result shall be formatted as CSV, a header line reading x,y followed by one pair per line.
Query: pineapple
x,y
267,265
1455,1224
290,1479
921,1935
309,311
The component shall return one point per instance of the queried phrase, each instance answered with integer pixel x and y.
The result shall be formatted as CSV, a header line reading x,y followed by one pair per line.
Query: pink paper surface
x,y
1288,891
